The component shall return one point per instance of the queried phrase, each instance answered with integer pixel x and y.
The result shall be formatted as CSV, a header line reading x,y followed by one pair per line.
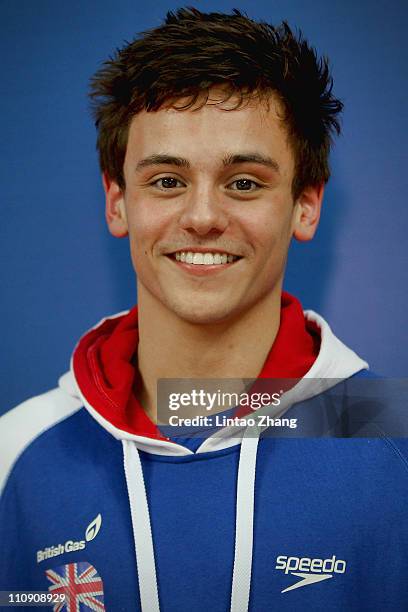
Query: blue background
x,y
61,269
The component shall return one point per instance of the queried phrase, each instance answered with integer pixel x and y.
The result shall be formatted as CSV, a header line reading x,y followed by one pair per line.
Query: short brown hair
x,y
193,51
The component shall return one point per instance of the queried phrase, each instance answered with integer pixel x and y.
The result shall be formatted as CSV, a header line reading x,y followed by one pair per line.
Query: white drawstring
x,y
142,533
244,521
146,568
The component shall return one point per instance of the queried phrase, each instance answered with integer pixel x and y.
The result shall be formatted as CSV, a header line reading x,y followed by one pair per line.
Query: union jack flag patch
x,y
81,585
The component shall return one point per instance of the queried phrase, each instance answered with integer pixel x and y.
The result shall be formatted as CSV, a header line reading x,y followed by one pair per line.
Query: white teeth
x,y
198,259
206,259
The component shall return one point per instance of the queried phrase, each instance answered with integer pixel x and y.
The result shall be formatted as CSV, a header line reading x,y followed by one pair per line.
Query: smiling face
x,y
209,210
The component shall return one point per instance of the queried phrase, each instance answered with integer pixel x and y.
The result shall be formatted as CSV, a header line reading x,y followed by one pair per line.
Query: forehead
x,y
204,134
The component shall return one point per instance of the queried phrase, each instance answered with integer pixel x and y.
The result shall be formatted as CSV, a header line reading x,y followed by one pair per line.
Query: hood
x,y
105,376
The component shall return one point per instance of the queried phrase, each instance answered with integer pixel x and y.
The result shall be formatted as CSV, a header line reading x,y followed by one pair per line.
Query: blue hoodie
x,y
114,517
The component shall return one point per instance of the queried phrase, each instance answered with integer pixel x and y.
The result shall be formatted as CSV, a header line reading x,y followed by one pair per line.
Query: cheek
x,y
146,228
141,233
267,232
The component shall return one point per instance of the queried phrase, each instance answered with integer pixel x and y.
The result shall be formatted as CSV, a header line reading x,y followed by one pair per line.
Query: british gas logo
x,y
71,545
93,528
309,570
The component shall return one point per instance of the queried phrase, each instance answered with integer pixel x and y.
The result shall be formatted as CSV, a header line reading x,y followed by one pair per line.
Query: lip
x,y
207,249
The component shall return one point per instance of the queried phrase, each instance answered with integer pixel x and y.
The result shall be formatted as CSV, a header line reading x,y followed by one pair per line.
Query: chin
x,y
203,314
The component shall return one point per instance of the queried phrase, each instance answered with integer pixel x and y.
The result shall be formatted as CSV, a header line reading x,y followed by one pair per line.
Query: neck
x,y
170,347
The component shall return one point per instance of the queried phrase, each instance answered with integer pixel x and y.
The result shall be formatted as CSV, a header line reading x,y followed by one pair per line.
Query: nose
x,y
203,213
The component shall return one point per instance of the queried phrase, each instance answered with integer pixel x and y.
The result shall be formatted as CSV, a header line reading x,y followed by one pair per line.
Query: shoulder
x,y
22,425
381,402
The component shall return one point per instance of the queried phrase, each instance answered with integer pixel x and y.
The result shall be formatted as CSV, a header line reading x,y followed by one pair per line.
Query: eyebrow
x,y
252,158
158,159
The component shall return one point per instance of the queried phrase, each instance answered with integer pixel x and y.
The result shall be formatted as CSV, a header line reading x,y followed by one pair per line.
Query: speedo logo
x,y
309,570
71,545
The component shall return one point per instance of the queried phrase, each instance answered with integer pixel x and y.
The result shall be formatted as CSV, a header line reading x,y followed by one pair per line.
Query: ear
x,y
115,211
307,212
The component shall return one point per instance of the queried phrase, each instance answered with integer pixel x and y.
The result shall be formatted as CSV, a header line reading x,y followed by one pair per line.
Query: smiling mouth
x,y
209,258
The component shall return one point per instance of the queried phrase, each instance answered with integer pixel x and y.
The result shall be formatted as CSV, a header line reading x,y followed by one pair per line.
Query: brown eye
x,y
244,184
168,182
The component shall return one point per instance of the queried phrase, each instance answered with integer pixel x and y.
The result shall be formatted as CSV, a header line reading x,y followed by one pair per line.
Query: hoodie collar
x,y
104,367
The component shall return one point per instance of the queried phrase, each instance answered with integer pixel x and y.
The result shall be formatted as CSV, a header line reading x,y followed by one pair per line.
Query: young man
x,y
214,134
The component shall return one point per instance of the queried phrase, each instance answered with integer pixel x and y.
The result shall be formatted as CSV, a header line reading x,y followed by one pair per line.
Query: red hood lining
x,y
104,369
